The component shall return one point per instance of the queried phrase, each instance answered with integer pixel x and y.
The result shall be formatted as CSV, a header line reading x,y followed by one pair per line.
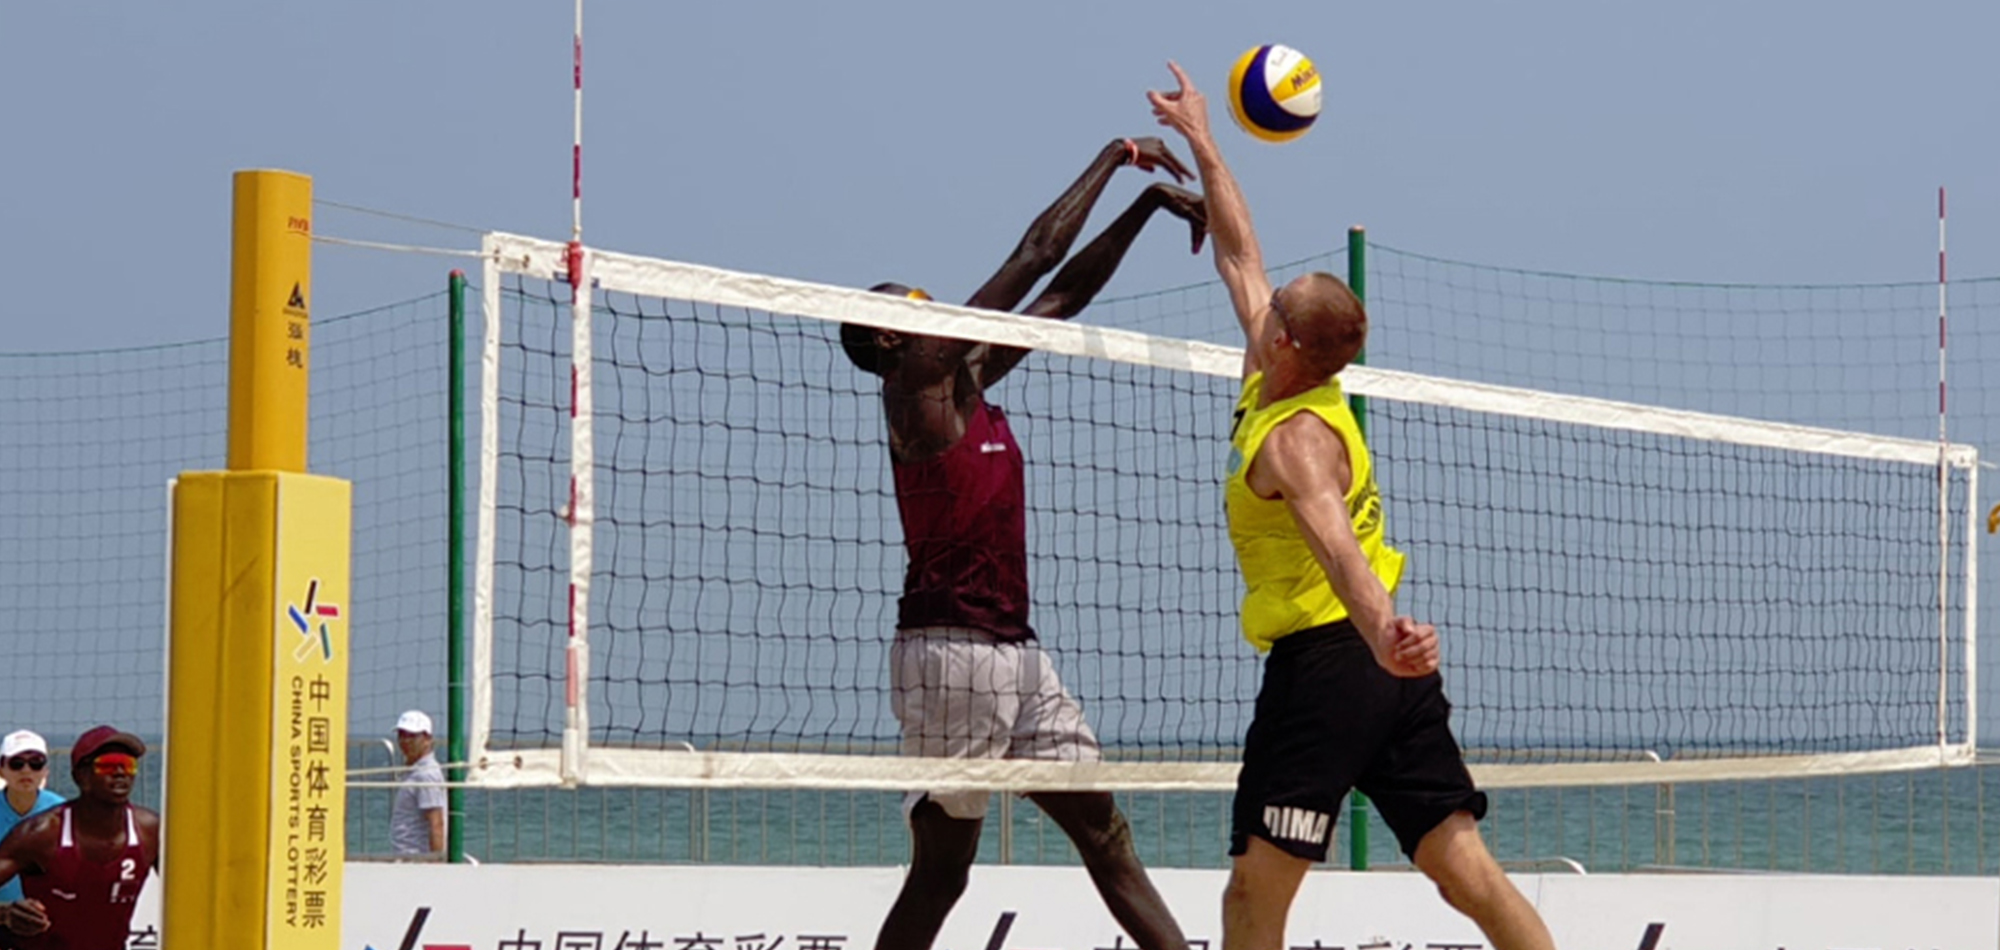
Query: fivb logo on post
x,y
1297,824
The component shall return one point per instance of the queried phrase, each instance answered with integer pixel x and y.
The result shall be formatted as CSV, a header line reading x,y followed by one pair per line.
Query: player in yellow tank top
x,y
1351,697
1286,589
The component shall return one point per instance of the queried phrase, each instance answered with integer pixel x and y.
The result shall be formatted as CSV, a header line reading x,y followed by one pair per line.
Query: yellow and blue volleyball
x,y
1274,93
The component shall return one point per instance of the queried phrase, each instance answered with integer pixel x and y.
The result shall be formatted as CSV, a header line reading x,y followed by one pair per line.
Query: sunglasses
x,y
115,763
28,763
1284,320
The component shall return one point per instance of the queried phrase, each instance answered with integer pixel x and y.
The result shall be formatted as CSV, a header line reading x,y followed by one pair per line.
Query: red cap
x,y
94,741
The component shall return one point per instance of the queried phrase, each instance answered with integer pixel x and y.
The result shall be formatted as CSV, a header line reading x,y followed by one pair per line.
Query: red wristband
x,y
1131,152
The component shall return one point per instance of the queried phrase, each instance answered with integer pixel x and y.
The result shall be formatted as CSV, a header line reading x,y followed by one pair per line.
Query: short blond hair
x,y
1330,322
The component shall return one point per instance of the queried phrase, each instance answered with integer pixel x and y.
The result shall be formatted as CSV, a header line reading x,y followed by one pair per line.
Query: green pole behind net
x,y
1357,280
455,578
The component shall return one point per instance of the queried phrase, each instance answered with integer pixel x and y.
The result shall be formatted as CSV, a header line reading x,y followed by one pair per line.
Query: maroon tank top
x,y
965,527
89,903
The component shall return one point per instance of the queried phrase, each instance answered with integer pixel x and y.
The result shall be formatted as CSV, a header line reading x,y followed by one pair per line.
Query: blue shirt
x,y
11,891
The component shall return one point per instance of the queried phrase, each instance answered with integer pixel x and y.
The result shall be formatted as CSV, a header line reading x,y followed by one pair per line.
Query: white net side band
x,y
1511,472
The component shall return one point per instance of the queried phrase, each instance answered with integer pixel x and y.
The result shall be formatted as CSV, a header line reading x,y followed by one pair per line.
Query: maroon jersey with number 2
x,y
89,903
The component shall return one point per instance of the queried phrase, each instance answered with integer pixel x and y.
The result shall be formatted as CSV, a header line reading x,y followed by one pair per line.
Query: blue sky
x,y
850,143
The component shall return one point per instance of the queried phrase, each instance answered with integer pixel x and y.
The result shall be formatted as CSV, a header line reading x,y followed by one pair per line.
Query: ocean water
x,y
1926,822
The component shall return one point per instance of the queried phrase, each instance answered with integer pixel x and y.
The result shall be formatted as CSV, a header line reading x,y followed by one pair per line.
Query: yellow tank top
x,y
1286,589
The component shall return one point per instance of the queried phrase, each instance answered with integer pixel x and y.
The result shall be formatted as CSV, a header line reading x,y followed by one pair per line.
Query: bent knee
x,y
1461,895
1239,892
1470,884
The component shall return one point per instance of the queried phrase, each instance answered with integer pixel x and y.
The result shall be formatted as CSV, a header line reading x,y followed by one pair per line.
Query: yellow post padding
x,y
270,324
257,718
255,807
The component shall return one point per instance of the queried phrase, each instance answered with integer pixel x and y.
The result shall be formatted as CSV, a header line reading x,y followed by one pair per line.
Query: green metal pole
x,y
1357,280
455,577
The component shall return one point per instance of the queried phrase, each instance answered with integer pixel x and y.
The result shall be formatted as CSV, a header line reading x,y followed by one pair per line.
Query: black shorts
x,y
1330,719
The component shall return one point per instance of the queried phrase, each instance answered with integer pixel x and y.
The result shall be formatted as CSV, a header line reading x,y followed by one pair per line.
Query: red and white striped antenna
x,y
1941,322
1944,491
575,255
582,501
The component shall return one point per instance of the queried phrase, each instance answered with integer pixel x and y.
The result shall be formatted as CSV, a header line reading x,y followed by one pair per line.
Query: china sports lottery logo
x,y
312,622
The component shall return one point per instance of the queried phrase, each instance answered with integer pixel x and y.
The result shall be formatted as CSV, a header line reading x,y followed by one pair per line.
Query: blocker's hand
x,y
1410,650
1184,110
1185,205
1153,153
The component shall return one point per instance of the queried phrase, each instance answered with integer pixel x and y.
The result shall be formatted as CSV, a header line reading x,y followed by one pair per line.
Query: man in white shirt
x,y
416,820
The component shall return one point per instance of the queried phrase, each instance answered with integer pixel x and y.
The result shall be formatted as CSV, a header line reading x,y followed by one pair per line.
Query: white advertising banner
x,y
557,907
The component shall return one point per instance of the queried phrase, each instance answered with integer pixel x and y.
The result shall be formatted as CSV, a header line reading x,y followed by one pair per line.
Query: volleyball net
x,y
88,442
689,555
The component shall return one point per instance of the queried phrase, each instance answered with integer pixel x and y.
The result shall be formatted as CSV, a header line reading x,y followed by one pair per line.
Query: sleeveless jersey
x,y
1286,590
965,528
89,903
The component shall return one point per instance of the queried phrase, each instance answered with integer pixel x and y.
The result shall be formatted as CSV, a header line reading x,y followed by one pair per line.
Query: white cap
x,y
414,721
22,741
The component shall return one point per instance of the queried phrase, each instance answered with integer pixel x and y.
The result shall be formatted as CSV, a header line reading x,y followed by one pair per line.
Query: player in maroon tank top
x,y
82,865
959,490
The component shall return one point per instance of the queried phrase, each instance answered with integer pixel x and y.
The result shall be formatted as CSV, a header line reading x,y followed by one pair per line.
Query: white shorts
x,y
961,694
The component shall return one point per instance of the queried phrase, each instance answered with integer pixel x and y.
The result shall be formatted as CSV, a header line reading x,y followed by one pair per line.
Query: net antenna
x,y
576,699
577,513
1944,505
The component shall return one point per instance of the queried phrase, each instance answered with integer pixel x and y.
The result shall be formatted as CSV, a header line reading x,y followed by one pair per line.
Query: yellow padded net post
x,y
257,690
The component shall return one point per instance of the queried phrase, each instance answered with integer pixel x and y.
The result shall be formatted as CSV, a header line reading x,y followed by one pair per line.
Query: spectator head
x,y
413,735
24,761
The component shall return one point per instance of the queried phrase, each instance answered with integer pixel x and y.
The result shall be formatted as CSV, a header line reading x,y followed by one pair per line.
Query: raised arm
x,y
1085,274
1306,463
1237,256
1049,238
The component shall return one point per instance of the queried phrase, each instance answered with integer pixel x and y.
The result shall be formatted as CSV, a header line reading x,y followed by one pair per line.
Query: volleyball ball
x,y
1274,93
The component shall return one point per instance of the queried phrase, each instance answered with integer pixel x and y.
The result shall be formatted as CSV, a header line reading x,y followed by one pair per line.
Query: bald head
x,y
1323,315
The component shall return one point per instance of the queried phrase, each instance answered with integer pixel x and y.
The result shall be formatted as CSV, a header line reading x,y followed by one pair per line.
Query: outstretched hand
x,y
1185,205
1410,650
1185,110
1150,153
